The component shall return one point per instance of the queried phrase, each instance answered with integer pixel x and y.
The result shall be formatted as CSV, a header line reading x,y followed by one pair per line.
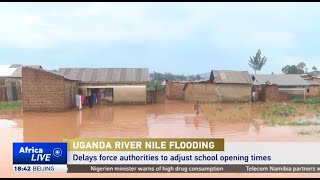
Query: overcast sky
x,y
183,38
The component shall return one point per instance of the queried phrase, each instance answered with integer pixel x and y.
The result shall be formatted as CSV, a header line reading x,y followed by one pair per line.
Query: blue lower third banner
x,y
40,157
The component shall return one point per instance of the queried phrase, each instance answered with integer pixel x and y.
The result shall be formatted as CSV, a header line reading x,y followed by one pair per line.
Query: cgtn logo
x,y
44,157
37,154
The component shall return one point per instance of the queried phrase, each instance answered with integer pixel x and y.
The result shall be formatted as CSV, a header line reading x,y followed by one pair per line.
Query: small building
x,y
313,79
10,81
119,85
223,86
313,90
47,91
291,84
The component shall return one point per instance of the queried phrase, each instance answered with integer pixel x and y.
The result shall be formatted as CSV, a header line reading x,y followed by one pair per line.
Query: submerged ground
x,y
268,121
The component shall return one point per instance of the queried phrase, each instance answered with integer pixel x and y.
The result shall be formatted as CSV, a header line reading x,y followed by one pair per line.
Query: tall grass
x,y
308,101
273,122
308,132
10,105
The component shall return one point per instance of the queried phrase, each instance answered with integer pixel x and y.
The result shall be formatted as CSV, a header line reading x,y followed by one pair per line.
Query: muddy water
x,y
175,119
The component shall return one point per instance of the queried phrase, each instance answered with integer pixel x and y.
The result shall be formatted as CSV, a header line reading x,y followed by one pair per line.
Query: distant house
x,y
313,78
314,74
223,86
120,85
291,84
10,81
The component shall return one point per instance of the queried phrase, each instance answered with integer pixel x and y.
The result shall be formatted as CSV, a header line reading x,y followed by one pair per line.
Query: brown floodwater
x,y
174,119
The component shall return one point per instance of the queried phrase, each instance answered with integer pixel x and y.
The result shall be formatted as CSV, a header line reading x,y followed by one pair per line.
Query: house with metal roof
x,y
292,84
10,81
47,91
118,85
222,86
282,80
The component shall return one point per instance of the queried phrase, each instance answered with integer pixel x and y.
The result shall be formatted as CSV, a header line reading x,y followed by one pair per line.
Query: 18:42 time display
x,y
21,168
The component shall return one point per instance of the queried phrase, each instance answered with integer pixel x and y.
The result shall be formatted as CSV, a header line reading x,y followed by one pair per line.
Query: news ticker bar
x,y
128,168
271,168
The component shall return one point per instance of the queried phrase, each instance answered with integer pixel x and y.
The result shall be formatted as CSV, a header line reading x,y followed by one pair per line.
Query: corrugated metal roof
x,y
280,79
107,75
14,70
52,72
312,82
230,77
18,72
7,70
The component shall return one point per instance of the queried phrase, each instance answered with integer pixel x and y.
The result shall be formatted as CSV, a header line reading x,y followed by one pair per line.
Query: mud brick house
x,y
47,91
120,85
10,81
313,90
223,86
313,79
174,90
277,86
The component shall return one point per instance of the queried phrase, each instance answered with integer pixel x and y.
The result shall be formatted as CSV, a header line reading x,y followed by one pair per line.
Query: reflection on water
x,y
170,120
5,123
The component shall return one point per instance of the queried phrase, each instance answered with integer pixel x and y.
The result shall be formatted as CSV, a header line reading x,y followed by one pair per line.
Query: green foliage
x,y
153,85
160,77
257,62
274,122
10,105
314,68
279,109
302,123
308,132
301,65
308,101
293,69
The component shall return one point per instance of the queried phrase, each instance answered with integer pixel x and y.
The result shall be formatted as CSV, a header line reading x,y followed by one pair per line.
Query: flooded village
x,y
49,106
115,102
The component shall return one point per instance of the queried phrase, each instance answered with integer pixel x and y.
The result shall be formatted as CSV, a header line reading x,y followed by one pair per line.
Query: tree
x,y
256,62
293,69
301,65
314,68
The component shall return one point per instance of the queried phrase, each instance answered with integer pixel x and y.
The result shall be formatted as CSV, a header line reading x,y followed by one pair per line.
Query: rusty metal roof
x,y
107,75
230,77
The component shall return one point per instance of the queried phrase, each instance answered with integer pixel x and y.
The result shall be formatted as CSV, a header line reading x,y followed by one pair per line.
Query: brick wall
x,y
45,91
174,90
203,92
282,96
313,91
70,94
272,93
234,92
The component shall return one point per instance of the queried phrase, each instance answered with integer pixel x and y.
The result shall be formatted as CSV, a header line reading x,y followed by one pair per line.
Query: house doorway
x,y
14,91
108,96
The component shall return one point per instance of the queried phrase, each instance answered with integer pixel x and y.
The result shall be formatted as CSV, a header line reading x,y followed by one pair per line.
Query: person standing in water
x,y
196,107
